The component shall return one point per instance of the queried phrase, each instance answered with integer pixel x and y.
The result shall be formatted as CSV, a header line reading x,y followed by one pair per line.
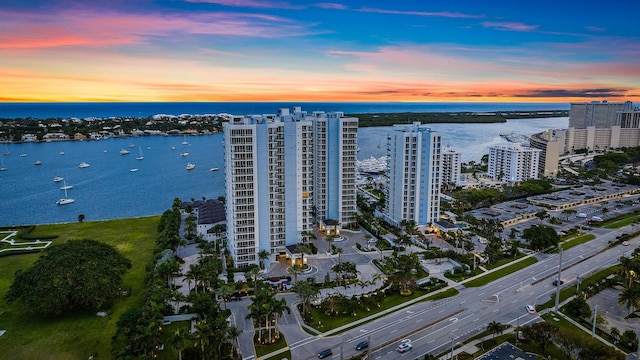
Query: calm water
x,y
81,110
108,189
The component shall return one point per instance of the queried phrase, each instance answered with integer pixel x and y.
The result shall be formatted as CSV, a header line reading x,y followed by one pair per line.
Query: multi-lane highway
x,y
432,326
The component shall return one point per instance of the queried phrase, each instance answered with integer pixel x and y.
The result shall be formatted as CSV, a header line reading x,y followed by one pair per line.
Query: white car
x,y
531,309
404,347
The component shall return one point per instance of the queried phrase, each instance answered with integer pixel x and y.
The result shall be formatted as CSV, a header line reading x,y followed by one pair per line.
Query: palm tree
x,y
234,333
306,293
224,291
329,239
263,255
178,341
404,240
629,297
296,270
495,328
256,313
302,249
615,333
339,251
278,307
253,274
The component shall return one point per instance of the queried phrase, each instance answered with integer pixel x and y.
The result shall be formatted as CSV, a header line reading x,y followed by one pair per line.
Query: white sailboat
x,y
83,165
140,157
191,166
185,142
6,149
65,200
2,167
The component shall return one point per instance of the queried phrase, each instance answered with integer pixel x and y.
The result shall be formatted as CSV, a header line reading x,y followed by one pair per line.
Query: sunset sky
x,y
289,50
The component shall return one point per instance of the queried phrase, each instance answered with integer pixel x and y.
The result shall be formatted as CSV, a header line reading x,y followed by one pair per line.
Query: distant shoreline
x,y
364,120
388,119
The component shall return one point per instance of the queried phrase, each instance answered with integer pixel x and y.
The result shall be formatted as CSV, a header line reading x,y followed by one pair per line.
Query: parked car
x,y
362,345
530,309
555,282
324,353
624,243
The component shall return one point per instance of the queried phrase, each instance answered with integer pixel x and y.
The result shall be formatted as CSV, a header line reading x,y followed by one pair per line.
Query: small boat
x,y
2,167
37,162
185,142
132,145
61,153
124,152
184,154
148,147
6,149
65,200
23,155
173,148
140,157
83,165
191,166
58,179
133,170
105,151
214,169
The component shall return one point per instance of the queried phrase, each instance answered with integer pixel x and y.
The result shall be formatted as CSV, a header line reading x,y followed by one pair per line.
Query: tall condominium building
x,y
413,174
513,164
451,167
615,125
549,143
336,145
600,114
270,178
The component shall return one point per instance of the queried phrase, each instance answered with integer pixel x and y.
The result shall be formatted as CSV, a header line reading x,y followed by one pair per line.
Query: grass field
x,y
75,336
497,274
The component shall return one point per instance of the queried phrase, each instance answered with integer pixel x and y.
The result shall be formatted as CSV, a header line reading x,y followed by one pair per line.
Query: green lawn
x,y
495,275
325,323
618,223
567,292
75,336
569,243
262,350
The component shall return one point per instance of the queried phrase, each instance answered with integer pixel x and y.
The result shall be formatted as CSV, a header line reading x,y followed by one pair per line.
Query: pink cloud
x,y
77,28
509,26
445,14
250,4
331,6
596,28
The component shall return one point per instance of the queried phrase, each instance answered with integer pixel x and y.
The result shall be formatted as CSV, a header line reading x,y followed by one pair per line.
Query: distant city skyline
x,y
263,50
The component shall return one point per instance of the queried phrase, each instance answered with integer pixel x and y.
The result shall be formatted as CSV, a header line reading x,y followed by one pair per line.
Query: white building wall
x,y
513,164
413,175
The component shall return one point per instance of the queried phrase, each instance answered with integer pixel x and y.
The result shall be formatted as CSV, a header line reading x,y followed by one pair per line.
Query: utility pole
x,y
369,346
558,282
595,315
453,338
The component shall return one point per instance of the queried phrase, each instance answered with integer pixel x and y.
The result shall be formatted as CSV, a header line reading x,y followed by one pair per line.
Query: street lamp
x,y
558,283
453,338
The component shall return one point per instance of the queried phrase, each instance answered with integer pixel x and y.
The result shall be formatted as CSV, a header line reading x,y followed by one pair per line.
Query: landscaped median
x,y
484,279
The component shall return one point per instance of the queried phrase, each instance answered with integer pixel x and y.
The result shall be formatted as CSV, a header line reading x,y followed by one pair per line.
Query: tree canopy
x,y
76,275
541,236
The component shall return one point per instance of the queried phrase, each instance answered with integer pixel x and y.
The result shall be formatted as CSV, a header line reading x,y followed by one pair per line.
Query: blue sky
x,y
254,50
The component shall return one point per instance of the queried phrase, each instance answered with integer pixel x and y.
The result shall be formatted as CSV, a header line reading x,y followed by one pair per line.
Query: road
x,y
432,326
